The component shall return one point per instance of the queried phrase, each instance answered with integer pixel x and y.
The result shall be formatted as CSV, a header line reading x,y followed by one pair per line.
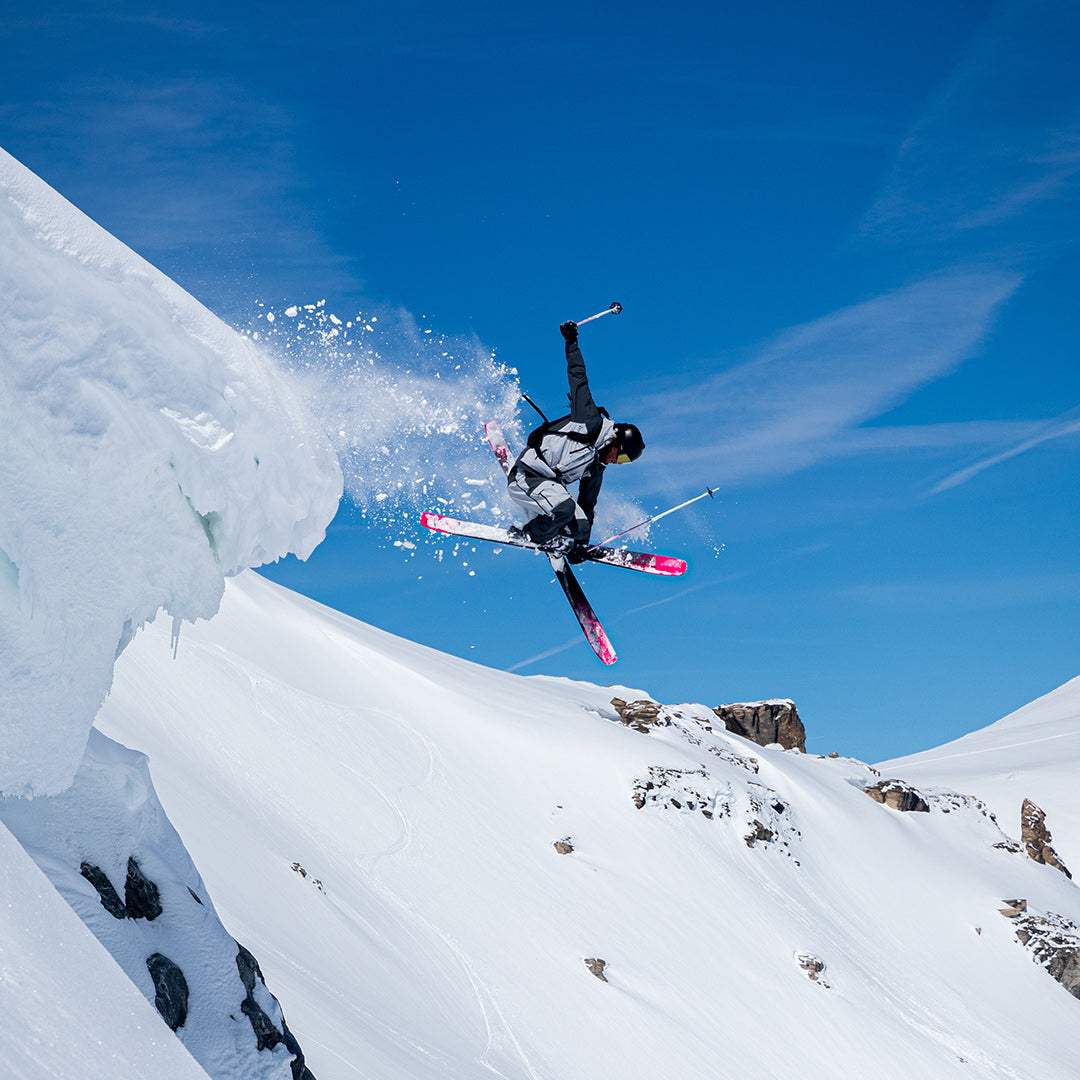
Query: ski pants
x,y
549,508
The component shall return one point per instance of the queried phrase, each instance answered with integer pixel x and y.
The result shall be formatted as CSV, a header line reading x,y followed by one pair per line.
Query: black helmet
x,y
630,443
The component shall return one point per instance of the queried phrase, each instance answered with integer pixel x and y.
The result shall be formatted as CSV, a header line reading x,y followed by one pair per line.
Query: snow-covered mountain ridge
x,y
393,816
1033,753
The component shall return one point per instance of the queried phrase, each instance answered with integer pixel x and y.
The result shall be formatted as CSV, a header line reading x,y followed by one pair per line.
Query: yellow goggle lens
x,y
623,459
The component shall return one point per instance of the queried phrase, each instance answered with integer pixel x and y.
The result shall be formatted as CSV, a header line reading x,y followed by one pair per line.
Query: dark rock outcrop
x,y
759,832
1035,837
640,715
110,898
899,796
141,897
170,990
267,1033
765,722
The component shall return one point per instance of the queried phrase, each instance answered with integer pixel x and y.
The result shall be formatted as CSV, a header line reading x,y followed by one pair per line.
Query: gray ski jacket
x,y
567,450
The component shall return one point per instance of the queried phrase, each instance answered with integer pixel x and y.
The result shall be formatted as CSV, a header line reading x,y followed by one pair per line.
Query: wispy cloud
x,y
1063,426
998,141
202,173
804,395
569,643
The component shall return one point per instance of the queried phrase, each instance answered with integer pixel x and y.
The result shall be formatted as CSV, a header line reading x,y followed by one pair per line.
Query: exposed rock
x,y
765,722
596,966
304,874
170,990
898,795
1035,837
758,813
813,965
682,789
110,898
267,1033
640,715
1013,908
1054,943
141,896
759,832
563,846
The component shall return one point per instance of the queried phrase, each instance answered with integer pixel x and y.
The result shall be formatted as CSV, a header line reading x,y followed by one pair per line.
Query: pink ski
x,y
642,561
582,609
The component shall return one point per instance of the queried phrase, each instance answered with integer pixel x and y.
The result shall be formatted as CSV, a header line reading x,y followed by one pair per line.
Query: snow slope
x,y
112,854
146,452
69,1013
1033,753
377,821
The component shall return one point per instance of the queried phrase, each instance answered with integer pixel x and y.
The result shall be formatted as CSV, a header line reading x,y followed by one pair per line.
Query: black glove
x,y
569,330
577,554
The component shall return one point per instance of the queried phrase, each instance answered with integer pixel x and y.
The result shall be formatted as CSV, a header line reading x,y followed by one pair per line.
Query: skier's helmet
x,y
630,443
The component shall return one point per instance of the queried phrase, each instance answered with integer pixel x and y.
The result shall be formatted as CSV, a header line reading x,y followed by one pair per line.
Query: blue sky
x,y
844,238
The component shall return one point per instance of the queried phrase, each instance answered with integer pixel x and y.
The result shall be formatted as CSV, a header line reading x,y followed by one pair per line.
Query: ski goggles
x,y
623,459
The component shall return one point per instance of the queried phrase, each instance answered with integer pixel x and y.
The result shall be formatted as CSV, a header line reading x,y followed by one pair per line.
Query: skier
x,y
573,448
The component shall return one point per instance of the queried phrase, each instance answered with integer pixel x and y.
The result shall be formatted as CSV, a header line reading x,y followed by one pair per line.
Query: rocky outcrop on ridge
x,y
765,722
899,795
1052,940
1035,836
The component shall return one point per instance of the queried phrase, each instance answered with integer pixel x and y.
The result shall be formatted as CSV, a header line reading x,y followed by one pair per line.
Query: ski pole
x,y
534,405
614,309
655,517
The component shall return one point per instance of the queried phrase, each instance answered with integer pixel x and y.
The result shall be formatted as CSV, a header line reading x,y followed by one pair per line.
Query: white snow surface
x,y
147,451
69,1012
1033,753
377,821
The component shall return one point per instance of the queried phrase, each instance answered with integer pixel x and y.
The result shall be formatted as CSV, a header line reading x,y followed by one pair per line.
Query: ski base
x,y
582,609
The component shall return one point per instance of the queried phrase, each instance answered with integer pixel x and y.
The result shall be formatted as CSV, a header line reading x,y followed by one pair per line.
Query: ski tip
x,y
431,521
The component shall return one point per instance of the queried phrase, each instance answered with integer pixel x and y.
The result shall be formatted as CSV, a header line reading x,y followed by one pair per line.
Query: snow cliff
x,y
147,452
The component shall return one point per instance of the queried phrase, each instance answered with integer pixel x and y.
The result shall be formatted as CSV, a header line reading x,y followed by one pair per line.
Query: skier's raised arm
x,y
583,409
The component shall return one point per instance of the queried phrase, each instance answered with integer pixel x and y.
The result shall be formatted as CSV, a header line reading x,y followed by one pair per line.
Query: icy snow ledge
x,y
147,451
